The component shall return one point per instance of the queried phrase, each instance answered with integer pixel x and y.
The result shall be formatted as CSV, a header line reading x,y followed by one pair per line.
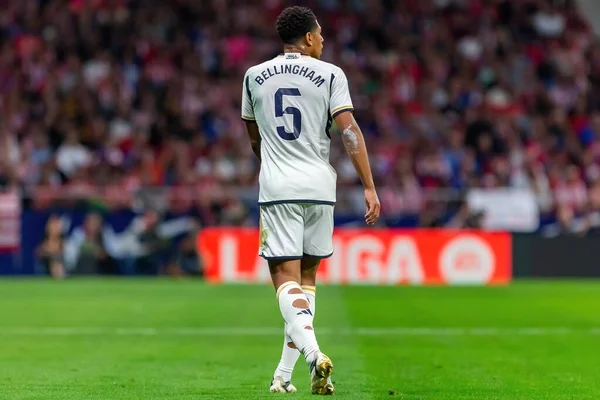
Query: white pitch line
x,y
400,331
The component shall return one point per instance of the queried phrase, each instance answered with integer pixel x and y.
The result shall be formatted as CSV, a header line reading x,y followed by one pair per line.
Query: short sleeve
x,y
247,108
340,100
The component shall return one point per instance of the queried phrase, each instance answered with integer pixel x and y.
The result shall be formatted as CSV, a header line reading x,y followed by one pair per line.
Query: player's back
x,y
292,98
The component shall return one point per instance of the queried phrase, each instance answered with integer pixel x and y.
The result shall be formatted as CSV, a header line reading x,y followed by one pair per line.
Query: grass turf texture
x,y
124,339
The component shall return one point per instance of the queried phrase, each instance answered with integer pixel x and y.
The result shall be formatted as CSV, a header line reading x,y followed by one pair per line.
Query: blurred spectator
x,y
71,155
466,218
155,248
433,215
567,224
570,190
548,21
187,261
91,248
149,245
50,251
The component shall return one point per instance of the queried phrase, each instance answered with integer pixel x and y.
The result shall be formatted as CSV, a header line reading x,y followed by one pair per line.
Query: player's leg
x,y
282,228
286,278
289,353
308,278
318,244
294,307
289,357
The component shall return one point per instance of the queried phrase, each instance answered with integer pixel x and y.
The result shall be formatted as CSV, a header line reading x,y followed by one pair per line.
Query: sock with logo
x,y
311,295
295,309
290,354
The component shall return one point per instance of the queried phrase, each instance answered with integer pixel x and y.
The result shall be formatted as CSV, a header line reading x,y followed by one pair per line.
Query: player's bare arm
x,y
254,135
356,148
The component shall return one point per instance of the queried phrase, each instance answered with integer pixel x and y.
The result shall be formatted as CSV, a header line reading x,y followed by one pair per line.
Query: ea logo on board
x,y
467,260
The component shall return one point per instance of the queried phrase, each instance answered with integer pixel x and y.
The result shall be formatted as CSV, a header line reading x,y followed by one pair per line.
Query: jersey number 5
x,y
293,111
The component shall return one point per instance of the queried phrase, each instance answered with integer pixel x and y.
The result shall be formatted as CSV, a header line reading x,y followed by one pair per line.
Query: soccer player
x,y
288,104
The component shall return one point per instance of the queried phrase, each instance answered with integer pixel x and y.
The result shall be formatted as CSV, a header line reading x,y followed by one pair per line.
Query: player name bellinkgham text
x,y
290,69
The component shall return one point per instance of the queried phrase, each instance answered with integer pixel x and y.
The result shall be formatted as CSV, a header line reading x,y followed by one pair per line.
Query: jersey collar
x,y
292,56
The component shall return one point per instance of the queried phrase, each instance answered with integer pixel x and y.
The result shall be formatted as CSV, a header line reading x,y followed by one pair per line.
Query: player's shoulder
x,y
334,69
255,68
260,67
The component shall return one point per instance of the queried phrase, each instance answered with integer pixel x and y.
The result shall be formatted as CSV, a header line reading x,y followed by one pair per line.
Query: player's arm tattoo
x,y
354,143
350,140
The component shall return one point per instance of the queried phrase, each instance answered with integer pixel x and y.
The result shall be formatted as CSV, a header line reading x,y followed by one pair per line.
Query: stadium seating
x,y
107,97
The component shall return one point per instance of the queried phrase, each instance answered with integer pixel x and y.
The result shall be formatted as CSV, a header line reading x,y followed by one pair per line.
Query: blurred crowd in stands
x,y
124,95
149,245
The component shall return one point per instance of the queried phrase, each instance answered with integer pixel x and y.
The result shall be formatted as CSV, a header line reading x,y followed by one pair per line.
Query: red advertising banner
x,y
373,256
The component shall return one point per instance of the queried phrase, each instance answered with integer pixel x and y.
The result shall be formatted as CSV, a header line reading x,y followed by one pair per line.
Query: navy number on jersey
x,y
293,111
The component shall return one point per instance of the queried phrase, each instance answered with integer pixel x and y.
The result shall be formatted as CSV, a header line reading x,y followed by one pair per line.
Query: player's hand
x,y
373,206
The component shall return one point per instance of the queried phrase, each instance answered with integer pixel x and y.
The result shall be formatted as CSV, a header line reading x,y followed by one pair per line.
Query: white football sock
x,y
311,295
290,354
295,309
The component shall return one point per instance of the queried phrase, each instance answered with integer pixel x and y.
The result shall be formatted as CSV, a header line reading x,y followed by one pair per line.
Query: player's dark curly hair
x,y
294,22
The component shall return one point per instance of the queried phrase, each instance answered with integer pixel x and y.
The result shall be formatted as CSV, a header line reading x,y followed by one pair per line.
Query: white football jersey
x,y
293,99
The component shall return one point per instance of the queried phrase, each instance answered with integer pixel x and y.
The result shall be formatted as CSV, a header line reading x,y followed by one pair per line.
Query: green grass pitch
x,y
180,339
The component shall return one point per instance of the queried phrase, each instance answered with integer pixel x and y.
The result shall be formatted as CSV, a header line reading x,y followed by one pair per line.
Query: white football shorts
x,y
290,231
